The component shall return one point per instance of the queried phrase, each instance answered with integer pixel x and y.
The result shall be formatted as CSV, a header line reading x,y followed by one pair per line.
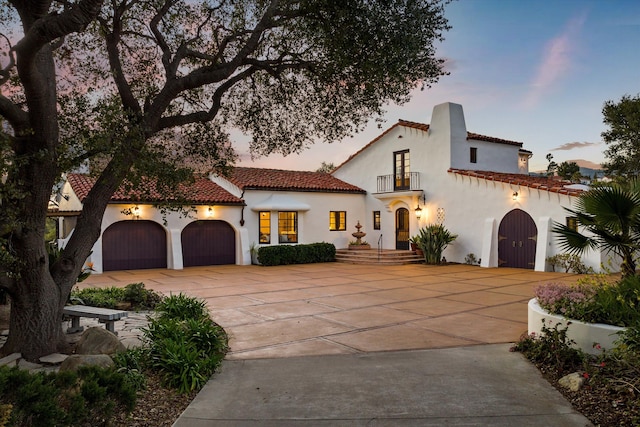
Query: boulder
x,y
97,340
76,361
572,381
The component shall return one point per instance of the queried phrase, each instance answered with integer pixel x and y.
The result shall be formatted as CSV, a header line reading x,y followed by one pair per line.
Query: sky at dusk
x,y
537,72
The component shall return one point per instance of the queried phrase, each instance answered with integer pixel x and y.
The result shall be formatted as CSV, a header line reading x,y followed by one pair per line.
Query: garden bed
x,y
584,334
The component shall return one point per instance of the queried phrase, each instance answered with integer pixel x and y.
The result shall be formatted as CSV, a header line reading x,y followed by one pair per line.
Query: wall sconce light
x,y
136,212
210,211
514,196
418,210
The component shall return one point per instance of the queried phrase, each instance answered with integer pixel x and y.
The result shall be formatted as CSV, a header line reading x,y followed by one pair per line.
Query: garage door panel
x,y
134,245
208,243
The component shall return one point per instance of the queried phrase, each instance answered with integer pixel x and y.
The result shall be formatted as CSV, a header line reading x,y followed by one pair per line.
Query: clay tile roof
x,y
286,180
479,137
201,191
537,182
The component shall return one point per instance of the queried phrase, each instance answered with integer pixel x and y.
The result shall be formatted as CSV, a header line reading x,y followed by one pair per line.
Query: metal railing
x,y
379,247
391,183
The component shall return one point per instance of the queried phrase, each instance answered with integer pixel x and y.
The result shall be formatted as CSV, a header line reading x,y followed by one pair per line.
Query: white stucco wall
x,y
313,215
473,208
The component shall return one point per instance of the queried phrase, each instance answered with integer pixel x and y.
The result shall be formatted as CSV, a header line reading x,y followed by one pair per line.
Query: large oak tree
x,y
132,88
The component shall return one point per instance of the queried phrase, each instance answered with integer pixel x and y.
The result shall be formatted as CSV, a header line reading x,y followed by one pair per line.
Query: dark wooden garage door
x,y
208,243
517,237
134,245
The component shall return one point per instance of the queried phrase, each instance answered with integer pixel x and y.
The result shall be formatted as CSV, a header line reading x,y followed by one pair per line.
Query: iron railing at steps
x,y
379,247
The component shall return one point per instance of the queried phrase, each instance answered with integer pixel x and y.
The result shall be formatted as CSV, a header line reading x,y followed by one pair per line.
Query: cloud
x,y
575,145
556,61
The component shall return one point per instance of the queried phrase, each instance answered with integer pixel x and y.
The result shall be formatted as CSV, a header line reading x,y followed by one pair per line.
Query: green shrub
x,y
569,262
65,398
99,297
182,307
134,294
296,254
141,298
551,347
185,345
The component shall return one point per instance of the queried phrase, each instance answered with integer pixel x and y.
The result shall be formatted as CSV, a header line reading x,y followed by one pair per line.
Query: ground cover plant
x,y
134,296
610,395
148,386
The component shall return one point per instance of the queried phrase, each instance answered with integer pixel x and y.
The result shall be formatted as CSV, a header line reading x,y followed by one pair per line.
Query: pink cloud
x,y
556,61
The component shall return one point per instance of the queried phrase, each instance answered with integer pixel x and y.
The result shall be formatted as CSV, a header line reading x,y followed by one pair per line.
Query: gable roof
x,y
536,182
287,180
425,127
201,191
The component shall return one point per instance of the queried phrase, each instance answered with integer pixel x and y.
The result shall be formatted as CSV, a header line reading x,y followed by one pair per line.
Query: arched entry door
x,y
208,243
402,229
517,237
134,245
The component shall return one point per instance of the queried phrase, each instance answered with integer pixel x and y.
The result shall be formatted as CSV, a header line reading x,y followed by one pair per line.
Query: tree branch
x,y
17,118
52,27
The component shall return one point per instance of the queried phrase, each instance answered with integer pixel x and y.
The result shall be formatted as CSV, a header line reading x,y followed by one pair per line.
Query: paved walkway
x,y
361,320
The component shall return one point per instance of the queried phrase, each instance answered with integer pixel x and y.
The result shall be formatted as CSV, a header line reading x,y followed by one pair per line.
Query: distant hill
x,y
587,168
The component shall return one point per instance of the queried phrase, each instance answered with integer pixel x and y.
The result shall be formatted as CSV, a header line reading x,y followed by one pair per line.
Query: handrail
x,y
379,247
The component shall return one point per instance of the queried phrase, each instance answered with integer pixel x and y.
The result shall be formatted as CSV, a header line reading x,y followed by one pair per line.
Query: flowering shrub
x,y
572,301
594,300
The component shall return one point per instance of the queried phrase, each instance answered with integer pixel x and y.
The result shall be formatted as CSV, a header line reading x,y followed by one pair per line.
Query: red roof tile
x,y
479,137
201,191
285,180
537,182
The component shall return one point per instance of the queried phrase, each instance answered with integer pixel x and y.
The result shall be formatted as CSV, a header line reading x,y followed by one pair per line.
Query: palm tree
x,y
610,219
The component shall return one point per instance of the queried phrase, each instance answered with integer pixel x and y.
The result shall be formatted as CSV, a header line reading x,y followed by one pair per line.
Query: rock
x,y
76,361
11,360
572,381
25,365
98,340
53,359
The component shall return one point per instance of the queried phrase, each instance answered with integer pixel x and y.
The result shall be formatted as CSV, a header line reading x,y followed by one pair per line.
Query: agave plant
x,y
433,240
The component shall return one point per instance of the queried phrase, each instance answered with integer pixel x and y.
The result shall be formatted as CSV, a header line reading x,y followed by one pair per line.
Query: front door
x,y
402,229
517,237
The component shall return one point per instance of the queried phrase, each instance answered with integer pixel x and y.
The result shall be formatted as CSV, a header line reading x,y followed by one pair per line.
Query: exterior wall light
x,y
418,210
515,195
209,211
136,212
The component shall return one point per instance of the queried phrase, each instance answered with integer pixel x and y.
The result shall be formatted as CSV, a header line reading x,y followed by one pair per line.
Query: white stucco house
x,y
477,186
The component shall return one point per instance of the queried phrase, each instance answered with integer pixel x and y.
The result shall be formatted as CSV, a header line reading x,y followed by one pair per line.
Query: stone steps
x,y
372,256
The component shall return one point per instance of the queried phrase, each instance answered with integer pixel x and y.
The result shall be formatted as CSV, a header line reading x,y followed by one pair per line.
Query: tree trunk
x,y
35,324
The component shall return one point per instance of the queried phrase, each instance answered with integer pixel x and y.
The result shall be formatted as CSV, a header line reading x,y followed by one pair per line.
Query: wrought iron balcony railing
x,y
405,182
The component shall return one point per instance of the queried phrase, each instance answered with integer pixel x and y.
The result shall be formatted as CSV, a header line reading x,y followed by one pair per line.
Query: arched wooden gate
x,y
517,238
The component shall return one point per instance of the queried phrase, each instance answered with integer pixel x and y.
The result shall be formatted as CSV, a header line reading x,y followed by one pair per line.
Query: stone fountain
x,y
359,244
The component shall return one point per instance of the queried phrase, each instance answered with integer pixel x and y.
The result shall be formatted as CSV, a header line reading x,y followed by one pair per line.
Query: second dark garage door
x,y
208,243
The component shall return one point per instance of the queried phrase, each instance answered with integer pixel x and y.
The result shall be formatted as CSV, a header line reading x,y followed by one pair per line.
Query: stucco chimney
x,y
448,128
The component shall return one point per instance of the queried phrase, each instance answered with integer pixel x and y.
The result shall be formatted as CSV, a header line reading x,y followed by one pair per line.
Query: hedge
x,y
296,254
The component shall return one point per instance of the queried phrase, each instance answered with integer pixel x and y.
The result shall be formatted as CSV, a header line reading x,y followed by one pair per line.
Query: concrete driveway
x,y
335,308
409,345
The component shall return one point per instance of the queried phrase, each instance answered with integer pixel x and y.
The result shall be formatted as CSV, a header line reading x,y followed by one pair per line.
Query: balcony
x,y
410,181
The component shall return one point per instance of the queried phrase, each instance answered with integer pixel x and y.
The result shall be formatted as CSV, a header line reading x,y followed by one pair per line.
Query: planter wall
x,y
584,334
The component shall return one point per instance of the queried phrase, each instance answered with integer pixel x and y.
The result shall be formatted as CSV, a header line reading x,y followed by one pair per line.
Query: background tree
x,y
622,137
569,171
552,167
609,217
326,167
141,88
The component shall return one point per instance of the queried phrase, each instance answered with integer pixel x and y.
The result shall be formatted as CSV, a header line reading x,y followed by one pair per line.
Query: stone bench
x,y
104,315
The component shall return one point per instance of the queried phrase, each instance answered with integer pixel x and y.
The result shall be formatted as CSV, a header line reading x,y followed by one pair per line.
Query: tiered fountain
x,y
359,244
